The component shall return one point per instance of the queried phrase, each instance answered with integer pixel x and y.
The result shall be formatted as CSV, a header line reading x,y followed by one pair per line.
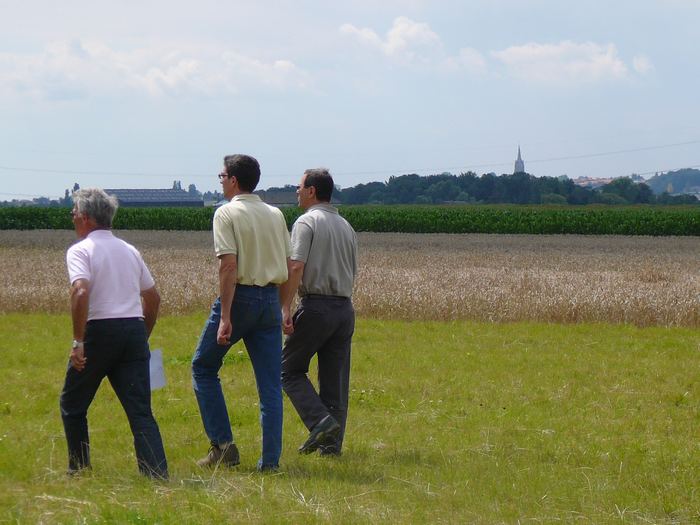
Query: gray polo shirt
x,y
327,245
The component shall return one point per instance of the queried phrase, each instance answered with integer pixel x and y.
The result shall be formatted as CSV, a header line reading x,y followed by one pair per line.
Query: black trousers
x,y
116,349
323,325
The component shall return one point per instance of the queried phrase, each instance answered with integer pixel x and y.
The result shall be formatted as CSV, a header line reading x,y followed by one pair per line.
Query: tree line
x,y
519,188
467,188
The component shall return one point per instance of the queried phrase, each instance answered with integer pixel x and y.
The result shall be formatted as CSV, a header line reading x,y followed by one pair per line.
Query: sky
x,y
137,94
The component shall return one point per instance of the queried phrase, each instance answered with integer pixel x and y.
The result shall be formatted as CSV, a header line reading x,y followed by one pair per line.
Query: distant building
x,y
155,198
519,164
280,199
592,182
284,199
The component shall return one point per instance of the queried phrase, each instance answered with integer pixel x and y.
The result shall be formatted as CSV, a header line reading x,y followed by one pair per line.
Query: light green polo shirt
x,y
257,234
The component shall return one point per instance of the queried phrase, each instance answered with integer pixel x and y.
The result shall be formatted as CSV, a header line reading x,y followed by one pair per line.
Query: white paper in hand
x,y
157,370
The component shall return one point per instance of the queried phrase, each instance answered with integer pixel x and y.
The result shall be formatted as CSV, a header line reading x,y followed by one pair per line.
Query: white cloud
x,y
410,42
277,74
642,65
364,35
406,41
76,69
468,58
566,62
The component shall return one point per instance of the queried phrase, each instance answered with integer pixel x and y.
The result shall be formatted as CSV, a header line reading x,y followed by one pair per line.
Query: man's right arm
x,y
301,238
228,275
295,271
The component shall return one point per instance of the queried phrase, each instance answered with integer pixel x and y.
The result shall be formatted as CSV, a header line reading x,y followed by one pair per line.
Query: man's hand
x,y
287,324
223,335
77,358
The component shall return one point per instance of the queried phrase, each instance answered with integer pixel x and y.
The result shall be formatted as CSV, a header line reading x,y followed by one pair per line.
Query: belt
x,y
268,285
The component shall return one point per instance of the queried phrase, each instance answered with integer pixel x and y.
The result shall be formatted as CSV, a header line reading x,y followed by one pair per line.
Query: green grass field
x,y
449,422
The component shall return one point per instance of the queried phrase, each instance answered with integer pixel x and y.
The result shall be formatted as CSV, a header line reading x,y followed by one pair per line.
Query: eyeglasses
x,y
222,175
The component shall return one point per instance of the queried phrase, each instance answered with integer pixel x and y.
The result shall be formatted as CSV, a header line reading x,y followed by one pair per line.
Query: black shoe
x,y
330,451
324,433
268,469
227,456
78,471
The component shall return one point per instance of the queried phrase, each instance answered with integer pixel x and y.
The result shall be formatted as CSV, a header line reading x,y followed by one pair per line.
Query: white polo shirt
x,y
116,272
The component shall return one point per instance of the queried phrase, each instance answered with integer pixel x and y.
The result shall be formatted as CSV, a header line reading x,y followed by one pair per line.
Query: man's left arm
x,y
151,304
228,275
79,302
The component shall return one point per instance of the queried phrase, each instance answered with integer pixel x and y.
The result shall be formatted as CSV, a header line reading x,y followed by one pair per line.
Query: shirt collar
x,y
246,197
100,233
325,206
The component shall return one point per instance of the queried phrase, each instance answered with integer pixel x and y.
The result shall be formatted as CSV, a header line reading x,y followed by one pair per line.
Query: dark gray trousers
x,y
116,349
323,325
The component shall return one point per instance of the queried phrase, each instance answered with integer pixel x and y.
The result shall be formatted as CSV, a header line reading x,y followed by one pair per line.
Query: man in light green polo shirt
x,y
252,243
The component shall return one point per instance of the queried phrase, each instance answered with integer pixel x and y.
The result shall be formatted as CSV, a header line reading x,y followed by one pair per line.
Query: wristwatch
x,y
77,344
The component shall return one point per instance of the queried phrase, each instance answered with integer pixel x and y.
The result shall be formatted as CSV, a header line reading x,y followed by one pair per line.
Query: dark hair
x,y
246,170
320,178
97,205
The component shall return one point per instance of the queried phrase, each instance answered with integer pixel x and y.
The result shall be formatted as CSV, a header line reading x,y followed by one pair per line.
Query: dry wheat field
x,y
553,278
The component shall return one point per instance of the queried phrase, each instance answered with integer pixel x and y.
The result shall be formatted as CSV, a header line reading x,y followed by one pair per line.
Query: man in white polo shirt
x,y
114,306
251,241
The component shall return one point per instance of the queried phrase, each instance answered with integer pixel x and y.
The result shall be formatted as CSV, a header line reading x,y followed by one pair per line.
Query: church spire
x,y
519,164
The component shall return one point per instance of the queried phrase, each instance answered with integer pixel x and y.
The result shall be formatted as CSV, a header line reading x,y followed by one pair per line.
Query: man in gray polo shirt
x,y
322,268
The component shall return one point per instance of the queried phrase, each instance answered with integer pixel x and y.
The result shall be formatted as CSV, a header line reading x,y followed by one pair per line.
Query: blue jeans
x,y
117,349
256,318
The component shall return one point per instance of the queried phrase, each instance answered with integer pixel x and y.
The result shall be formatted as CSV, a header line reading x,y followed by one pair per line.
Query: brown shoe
x,y
227,456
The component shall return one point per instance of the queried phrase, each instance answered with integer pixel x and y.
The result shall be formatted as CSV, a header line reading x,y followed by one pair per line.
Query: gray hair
x,y
97,205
